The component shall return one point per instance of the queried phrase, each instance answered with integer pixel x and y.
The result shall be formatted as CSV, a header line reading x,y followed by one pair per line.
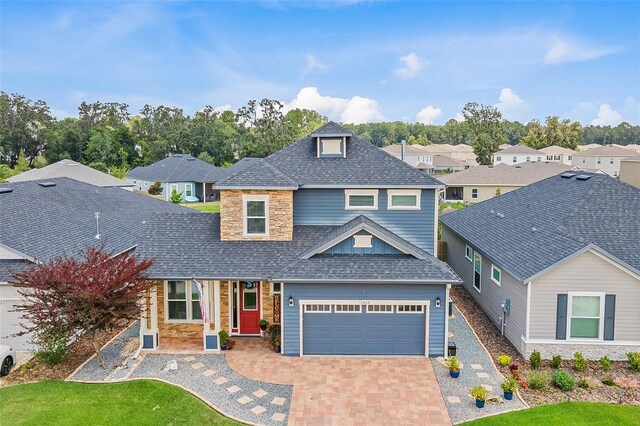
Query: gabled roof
x,y
240,165
73,170
519,149
555,149
529,230
633,159
446,161
364,166
606,151
396,149
178,168
258,175
44,222
505,174
331,129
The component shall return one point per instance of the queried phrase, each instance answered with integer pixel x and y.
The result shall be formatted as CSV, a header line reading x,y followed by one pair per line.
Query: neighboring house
x,y
588,146
504,146
44,219
630,170
331,238
410,154
443,164
559,154
606,158
517,154
240,165
73,170
416,154
555,265
633,147
485,182
183,173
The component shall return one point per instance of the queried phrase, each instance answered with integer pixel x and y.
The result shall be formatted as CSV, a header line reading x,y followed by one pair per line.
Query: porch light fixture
x,y
290,300
438,302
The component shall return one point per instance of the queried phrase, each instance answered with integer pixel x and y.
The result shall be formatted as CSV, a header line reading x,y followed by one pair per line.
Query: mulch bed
x,y
80,350
497,345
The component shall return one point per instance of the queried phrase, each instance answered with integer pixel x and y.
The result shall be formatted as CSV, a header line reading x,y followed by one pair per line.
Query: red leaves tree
x,y
85,295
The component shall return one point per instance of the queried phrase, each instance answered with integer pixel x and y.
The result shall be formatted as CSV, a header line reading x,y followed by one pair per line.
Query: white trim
x,y
364,192
254,289
190,185
419,308
263,198
301,325
470,259
362,241
369,311
272,291
446,321
188,300
348,306
495,268
436,221
317,309
282,308
473,281
381,186
333,146
364,302
580,342
217,307
570,296
528,318
18,253
414,192
427,324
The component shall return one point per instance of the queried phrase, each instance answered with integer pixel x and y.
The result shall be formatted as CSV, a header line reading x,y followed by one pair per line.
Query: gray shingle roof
x,y
519,149
73,170
505,174
240,165
331,129
7,266
46,222
530,229
178,168
364,166
259,174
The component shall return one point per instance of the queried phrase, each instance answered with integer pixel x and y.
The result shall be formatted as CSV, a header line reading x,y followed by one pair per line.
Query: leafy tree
x,y
206,157
536,137
40,162
66,141
22,165
487,127
554,132
176,197
262,128
301,122
105,147
82,295
155,188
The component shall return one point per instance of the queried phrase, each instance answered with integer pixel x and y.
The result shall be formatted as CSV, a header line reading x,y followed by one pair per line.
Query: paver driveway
x,y
348,390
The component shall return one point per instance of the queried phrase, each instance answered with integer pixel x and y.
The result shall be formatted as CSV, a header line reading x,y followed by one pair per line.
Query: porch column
x,y
149,335
216,305
210,337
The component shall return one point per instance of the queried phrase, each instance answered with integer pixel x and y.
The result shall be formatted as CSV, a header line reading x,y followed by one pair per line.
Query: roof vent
x,y
97,215
583,177
500,215
518,167
191,159
568,175
177,155
46,184
534,229
5,190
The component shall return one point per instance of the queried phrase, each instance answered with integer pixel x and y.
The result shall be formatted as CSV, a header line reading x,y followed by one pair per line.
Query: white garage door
x,y
10,321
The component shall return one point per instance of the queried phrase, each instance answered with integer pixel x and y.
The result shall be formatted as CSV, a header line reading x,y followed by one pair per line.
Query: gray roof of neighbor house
x,y
47,219
178,168
240,165
606,151
73,170
531,229
505,174
519,149
365,165
204,255
441,160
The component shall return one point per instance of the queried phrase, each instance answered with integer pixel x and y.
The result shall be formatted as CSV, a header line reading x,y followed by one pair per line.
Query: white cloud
x,y
428,115
459,117
565,50
354,110
607,116
510,104
222,108
413,66
77,96
312,64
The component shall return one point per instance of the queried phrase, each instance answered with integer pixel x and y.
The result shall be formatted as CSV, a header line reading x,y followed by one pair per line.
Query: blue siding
x,y
326,207
378,247
363,292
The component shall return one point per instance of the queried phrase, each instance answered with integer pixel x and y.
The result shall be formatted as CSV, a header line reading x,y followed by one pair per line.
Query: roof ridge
x,y
280,172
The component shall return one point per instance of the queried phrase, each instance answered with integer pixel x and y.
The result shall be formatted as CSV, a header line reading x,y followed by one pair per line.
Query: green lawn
x,y
568,413
204,207
143,402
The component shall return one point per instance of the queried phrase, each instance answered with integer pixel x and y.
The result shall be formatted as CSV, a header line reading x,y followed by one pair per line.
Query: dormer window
x,y
331,147
256,215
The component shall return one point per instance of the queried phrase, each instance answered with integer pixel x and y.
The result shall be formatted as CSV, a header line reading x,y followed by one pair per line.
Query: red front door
x,y
249,307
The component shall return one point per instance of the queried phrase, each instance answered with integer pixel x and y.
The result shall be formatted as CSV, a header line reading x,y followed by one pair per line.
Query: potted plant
x,y
277,344
454,367
263,324
230,344
514,370
274,336
509,386
223,336
480,394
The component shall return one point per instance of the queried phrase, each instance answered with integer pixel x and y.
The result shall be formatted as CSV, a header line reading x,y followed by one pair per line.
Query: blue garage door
x,y
352,329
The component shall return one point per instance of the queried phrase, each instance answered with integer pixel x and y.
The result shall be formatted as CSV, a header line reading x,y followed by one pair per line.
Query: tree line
x,y
110,137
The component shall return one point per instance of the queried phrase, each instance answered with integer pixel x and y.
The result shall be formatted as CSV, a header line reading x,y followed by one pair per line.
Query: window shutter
x,y
561,317
609,316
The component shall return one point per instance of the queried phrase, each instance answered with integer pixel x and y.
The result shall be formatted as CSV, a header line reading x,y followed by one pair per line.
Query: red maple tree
x,y
83,295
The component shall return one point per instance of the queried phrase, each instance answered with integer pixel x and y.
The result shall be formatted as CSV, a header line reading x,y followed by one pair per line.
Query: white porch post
x,y
206,327
149,336
216,304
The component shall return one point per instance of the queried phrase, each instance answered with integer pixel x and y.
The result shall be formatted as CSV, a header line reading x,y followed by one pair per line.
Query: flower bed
x,y
624,389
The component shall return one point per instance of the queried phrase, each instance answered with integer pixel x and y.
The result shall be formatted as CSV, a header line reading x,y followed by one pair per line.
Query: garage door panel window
x,y
317,309
380,309
410,309
348,309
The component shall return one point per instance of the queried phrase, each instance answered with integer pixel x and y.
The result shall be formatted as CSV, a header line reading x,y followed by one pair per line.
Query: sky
x,y
354,61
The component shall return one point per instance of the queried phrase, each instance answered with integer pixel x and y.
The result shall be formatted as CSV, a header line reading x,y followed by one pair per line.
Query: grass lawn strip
x,y
140,402
204,207
567,413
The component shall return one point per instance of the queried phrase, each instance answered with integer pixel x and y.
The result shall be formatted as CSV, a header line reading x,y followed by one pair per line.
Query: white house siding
x,y
10,321
491,296
588,272
608,164
519,158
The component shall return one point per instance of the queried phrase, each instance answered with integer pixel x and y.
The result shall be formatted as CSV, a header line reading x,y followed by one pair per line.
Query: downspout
x,y
403,145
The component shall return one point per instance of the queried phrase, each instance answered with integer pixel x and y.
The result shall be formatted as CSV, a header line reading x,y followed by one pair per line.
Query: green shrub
x,y
453,364
634,360
509,385
504,360
52,349
563,380
223,337
176,197
538,379
605,362
556,361
535,360
579,362
155,188
582,383
480,393
608,381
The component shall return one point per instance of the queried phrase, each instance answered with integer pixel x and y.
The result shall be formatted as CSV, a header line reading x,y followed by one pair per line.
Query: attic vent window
x,y
362,241
47,184
331,147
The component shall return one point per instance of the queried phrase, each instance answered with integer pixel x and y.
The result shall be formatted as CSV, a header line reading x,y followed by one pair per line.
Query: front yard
x,y
141,402
204,207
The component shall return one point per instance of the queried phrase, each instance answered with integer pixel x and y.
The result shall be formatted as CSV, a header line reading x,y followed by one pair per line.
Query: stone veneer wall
x,y
267,303
280,215
187,331
224,306
591,351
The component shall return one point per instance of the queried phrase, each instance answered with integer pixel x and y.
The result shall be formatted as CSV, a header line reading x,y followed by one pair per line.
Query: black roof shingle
x,y
178,168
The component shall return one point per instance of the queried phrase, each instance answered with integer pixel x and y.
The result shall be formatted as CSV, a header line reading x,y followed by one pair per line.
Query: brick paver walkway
x,y
347,390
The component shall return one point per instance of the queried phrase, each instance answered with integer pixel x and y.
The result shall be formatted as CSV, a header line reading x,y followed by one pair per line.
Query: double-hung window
x,y
496,274
477,270
586,315
361,199
474,192
188,189
468,253
256,215
183,302
403,199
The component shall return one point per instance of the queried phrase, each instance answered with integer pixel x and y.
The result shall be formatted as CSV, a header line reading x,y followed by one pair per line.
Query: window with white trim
x,y
514,159
256,215
403,199
477,270
410,309
182,305
317,308
331,146
348,309
474,192
498,158
361,199
586,313
468,253
598,160
274,288
188,189
496,274
380,309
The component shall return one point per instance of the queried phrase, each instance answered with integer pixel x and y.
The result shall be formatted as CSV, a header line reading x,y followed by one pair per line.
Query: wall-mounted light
x,y
290,300
438,302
